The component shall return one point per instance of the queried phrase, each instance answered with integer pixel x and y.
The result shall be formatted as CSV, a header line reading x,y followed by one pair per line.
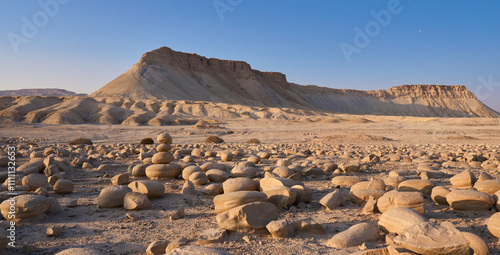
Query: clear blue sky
x,y
87,43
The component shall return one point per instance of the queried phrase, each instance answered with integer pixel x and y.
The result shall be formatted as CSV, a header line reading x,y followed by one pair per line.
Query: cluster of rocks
x,y
255,190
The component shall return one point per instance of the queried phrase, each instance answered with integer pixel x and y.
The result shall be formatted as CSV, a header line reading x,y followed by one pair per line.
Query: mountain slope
x,y
39,92
167,74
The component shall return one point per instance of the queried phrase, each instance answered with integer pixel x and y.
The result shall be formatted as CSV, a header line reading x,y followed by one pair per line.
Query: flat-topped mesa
x,y
194,62
436,91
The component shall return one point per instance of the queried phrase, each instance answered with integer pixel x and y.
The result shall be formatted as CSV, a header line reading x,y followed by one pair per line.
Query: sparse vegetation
x,y
253,141
147,141
214,139
81,140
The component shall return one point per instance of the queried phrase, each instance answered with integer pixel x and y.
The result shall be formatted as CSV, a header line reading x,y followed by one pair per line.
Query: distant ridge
x,y
167,74
39,92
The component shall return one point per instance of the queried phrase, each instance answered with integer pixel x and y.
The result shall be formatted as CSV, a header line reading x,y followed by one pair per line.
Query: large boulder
x,y
392,199
332,200
63,186
463,180
239,184
438,195
345,181
281,196
150,188
113,196
136,201
469,200
26,207
35,181
188,171
228,201
253,215
422,186
216,175
244,171
397,219
433,238
267,183
488,186
493,224
476,244
354,236
163,171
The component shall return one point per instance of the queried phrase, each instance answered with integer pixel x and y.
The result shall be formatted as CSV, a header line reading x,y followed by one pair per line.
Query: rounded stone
x,y
186,172
213,189
244,171
226,156
361,196
283,171
139,170
476,243
150,188
392,199
281,196
332,200
438,195
469,200
35,181
216,175
198,178
304,193
393,181
371,184
120,179
267,183
164,138
163,147
27,207
239,184
433,238
162,158
422,186
488,186
463,180
212,165
354,236
397,219
113,196
252,215
345,181
493,224
136,201
226,202
63,186
163,171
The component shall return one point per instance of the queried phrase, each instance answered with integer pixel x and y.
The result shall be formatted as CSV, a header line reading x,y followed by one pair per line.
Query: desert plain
x,y
403,144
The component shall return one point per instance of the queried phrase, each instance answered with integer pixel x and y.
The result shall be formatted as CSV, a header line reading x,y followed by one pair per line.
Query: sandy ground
x,y
109,231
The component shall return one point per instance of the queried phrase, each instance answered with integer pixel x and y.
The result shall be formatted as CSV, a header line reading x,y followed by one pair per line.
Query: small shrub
x,y
214,139
253,140
147,141
80,140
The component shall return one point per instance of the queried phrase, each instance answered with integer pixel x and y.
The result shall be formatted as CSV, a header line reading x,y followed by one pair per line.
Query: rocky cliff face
x,y
167,74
